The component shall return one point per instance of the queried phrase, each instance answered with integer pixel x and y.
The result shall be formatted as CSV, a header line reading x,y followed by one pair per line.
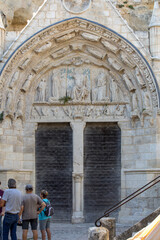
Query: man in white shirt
x,y
12,201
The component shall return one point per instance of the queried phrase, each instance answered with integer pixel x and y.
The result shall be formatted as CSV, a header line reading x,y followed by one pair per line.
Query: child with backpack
x,y
45,216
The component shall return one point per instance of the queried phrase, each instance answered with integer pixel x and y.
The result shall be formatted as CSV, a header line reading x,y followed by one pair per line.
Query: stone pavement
x,y
68,231
63,231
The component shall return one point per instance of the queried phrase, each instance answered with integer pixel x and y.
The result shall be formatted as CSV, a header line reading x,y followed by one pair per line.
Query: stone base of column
x,y
77,217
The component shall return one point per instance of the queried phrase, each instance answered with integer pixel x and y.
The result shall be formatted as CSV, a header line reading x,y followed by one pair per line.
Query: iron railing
x,y
127,199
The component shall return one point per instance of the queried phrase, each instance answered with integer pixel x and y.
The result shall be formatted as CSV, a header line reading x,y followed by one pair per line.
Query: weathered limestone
x,y
110,224
100,233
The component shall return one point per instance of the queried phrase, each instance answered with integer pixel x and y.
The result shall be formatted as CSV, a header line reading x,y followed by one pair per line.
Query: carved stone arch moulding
x,y
78,69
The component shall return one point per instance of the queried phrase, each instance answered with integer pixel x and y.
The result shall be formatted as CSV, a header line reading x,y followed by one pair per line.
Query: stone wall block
x,y
96,233
110,225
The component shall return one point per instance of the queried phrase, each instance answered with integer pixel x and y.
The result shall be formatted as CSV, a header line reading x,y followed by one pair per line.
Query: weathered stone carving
x,y
41,65
114,91
99,93
95,52
90,37
43,48
20,108
146,101
41,90
139,77
24,64
128,82
135,108
80,91
27,82
114,63
54,87
127,60
77,46
61,52
66,37
14,79
109,46
9,104
76,6
100,233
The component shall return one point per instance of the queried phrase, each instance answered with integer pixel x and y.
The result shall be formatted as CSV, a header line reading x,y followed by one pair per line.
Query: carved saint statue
x,y
14,79
139,78
146,100
27,82
41,90
114,63
128,82
114,91
54,87
99,93
80,91
20,108
135,107
9,102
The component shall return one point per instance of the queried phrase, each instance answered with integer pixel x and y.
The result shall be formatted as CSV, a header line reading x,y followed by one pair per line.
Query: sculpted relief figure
x,y
43,48
14,79
27,83
135,107
9,103
41,90
114,91
127,60
100,91
146,101
114,63
20,108
128,82
80,90
139,78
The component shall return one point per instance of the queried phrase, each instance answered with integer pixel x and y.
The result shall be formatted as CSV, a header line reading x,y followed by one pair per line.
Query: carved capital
x,y
77,177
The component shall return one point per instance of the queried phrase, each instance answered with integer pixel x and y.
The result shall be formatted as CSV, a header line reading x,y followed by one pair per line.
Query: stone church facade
x,y
79,97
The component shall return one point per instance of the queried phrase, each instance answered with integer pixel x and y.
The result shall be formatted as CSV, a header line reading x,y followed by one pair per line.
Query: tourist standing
x,y
29,212
44,221
12,201
1,213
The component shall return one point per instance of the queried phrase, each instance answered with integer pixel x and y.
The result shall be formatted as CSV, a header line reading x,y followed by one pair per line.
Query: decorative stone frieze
x,y
63,62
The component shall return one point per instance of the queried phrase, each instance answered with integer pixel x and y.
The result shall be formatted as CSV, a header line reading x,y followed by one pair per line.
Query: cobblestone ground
x,y
63,231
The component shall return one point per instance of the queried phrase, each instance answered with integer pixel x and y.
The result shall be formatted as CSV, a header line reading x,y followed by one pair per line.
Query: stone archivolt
x,y
88,63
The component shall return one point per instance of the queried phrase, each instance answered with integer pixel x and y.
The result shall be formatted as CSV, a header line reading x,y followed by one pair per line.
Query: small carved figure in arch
x,y
27,83
139,78
135,108
54,87
100,91
41,91
9,104
20,108
14,79
128,82
114,63
146,101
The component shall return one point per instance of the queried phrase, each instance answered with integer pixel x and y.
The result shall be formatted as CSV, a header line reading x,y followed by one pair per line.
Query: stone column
x,y
78,129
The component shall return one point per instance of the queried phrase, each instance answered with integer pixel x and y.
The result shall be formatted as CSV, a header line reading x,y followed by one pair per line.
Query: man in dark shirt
x,y
1,213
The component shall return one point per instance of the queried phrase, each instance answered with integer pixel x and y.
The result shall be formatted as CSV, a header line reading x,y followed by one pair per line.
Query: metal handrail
x,y
127,199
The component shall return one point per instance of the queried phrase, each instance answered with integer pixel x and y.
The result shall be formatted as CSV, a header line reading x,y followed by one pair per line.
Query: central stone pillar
x,y
78,131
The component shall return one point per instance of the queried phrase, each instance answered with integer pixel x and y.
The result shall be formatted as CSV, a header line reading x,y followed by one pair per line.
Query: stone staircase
x,y
136,227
